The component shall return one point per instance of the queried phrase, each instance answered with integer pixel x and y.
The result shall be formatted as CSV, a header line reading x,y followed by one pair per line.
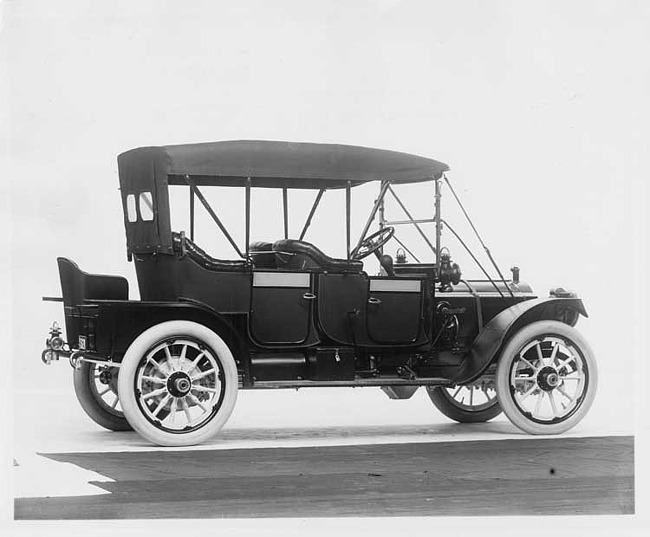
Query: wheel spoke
x,y
181,358
539,403
117,398
522,379
527,363
554,352
162,404
186,408
457,392
155,364
540,356
195,362
104,392
565,362
553,405
154,393
528,393
197,402
172,412
204,374
204,389
168,356
471,396
561,390
154,379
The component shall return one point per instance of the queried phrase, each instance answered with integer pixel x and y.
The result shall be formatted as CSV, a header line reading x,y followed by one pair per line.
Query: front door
x,y
281,307
394,310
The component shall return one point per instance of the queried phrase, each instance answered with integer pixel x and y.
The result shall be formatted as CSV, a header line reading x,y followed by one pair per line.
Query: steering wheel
x,y
372,243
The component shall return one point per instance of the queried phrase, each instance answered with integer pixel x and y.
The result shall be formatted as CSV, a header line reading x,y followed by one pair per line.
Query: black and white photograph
x,y
357,267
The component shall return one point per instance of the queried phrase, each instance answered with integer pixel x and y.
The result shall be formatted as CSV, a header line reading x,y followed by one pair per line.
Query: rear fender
x,y
120,322
488,343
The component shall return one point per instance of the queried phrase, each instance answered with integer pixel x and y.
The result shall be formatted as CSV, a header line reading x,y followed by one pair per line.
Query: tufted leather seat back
x,y
302,255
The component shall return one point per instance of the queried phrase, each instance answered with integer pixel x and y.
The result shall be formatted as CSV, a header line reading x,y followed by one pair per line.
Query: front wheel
x,y
469,403
546,378
178,383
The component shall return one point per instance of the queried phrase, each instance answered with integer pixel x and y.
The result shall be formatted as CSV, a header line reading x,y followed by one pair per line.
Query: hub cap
x,y
549,379
179,384
105,376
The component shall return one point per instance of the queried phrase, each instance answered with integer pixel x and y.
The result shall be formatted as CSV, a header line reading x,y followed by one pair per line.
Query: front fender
x,y
487,344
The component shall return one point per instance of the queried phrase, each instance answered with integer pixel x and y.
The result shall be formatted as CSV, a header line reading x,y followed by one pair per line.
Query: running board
x,y
275,384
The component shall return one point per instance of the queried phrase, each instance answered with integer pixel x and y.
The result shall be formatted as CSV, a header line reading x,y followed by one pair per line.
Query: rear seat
x,y
201,258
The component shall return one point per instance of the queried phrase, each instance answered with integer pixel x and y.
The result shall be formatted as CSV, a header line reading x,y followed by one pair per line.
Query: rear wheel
x,y
95,386
546,378
468,403
178,383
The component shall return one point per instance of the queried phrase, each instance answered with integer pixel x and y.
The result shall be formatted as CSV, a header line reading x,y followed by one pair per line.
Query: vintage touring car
x,y
284,314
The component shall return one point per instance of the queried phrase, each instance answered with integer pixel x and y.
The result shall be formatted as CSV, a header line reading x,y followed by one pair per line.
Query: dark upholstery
x,y
302,255
262,254
197,255
78,285
386,263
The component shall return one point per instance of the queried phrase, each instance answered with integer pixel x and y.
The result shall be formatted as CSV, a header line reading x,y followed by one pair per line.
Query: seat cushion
x,y
200,257
261,253
302,255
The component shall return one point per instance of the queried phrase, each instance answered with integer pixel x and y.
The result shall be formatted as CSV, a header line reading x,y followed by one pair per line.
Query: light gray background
x,y
539,108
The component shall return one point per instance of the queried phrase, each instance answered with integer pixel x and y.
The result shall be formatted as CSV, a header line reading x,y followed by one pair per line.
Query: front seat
x,y
262,254
302,255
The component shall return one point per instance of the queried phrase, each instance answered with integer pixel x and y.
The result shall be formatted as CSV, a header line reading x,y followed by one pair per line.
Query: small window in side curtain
x,y
146,206
131,213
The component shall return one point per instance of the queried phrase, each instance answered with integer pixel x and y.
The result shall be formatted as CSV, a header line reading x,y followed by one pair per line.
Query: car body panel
x,y
294,314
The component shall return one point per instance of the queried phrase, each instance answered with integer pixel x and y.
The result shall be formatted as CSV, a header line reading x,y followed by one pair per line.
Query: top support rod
x,y
348,200
438,225
205,203
378,203
285,207
408,214
487,251
248,215
311,213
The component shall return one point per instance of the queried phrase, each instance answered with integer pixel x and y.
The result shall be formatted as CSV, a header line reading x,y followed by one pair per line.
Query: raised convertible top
x,y
275,164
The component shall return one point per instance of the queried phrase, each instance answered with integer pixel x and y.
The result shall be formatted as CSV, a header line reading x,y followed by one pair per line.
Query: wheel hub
x,y
548,378
179,384
105,376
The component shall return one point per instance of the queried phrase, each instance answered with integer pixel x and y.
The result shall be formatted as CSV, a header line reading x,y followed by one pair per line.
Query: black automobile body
x,y
290,316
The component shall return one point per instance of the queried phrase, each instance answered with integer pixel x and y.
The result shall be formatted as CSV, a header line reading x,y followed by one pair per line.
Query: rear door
x,y
281,308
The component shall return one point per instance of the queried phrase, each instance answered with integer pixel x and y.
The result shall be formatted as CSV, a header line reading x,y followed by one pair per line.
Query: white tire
x,y
546,378
178,383
96,389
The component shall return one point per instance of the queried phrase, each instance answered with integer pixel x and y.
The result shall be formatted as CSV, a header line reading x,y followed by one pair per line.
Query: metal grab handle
x,y
309,296
373,300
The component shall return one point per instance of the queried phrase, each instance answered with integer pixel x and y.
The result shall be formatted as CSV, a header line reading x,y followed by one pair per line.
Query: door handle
x,y
373,300
309,296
